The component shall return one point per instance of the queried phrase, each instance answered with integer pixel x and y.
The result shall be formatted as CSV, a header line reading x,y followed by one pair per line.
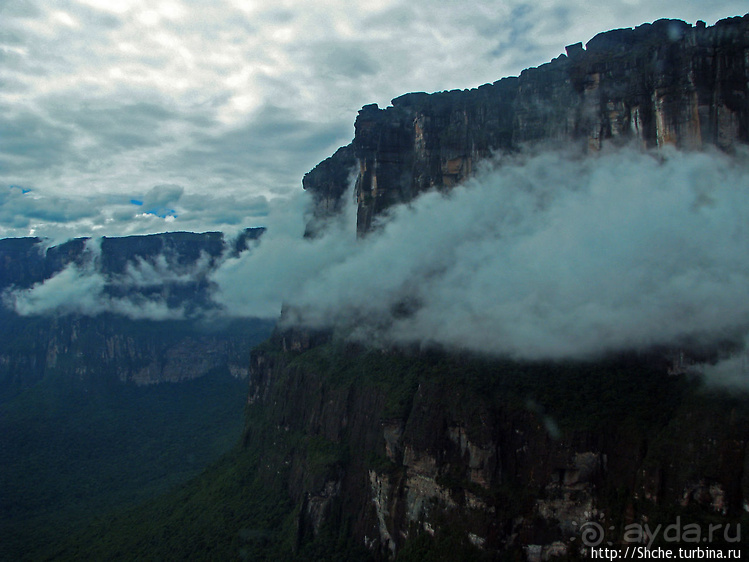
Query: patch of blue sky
x,y
161,212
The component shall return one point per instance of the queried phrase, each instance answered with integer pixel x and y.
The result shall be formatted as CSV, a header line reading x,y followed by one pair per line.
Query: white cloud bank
x,y
547,256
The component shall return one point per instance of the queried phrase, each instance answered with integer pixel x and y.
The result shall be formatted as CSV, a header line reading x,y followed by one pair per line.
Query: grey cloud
x,y
240,210
30,141
519,35
21,208
161,196
277,15
274,147
10,37
345,59
94,19
12,85
116,127
399,15
550,255
19,9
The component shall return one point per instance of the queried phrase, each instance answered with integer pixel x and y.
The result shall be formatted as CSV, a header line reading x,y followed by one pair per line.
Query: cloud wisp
x,y
143,291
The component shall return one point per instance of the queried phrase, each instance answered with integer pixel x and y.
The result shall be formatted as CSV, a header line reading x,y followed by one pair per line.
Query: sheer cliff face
x,y
666,83
493,459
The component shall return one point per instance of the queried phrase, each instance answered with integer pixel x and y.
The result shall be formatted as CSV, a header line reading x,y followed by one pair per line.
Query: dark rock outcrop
x,y
328,182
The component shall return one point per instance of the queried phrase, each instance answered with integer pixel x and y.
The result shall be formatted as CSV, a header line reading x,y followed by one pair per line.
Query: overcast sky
x,y
144,116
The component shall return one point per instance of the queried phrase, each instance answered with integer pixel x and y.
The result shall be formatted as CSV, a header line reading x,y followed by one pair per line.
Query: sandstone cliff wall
x,y
406,449
495,458
666,83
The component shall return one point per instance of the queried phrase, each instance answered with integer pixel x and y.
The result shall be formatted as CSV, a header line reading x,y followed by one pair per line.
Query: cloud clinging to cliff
x,y
82,291
283,264
81,288
547,256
